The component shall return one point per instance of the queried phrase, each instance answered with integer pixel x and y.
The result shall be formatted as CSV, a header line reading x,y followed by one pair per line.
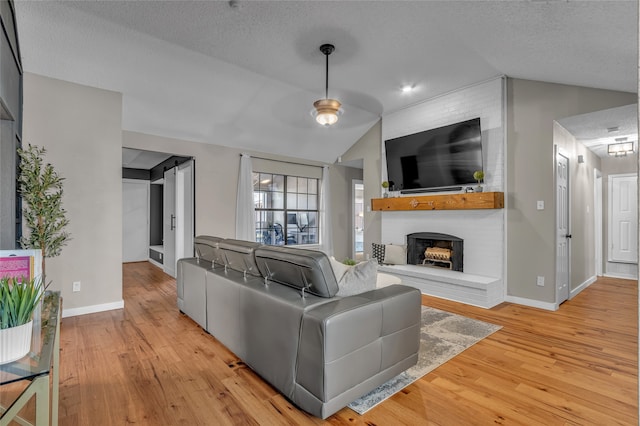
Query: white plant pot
x,y
15,342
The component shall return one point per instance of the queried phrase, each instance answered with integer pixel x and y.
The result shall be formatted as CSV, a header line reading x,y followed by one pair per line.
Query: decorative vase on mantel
x,y
385,189
478,175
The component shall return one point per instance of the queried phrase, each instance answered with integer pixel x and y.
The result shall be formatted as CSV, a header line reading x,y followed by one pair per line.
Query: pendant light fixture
x,y
327,110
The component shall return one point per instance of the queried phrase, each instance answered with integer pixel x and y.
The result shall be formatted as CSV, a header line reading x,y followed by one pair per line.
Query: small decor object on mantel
x,y
385,186
18,300
478,175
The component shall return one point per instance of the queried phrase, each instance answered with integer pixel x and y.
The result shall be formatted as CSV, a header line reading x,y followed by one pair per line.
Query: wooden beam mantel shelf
x,y
466,201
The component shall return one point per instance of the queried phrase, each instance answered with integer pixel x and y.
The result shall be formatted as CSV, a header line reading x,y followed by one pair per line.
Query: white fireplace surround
x,y
483,231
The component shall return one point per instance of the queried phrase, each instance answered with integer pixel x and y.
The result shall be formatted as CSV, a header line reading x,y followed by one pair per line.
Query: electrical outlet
x,y
76,286
540,205
540,281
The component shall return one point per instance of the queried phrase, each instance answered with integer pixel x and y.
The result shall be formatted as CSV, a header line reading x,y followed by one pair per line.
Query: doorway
x,y
166,233
357,191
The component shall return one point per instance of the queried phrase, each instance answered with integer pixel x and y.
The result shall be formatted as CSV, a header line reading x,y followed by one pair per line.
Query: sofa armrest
x,y
346,341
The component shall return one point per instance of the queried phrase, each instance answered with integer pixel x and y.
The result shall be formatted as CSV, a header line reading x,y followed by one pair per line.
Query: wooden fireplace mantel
x,y
466,201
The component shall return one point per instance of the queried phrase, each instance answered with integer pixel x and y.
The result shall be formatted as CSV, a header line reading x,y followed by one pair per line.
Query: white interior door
x,y
135,220
563,236
169,222
184,210
623,218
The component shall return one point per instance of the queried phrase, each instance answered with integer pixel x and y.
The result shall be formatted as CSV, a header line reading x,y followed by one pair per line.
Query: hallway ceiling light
x,y
620,149
327,110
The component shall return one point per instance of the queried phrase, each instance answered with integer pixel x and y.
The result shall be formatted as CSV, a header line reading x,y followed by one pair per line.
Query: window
x,y
286,209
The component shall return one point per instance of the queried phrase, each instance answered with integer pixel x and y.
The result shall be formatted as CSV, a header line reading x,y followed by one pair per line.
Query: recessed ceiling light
x,y
408,88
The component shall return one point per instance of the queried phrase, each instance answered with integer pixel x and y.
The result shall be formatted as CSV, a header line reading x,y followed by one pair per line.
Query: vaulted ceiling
x,y
246,73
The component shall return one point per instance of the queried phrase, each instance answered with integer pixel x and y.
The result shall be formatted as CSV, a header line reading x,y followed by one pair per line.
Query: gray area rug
x,y
443,335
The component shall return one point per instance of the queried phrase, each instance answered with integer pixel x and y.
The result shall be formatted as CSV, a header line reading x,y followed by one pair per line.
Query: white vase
x,y
15,342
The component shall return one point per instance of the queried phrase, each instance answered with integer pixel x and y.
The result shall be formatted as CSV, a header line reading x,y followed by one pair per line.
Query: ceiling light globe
x,y
327,111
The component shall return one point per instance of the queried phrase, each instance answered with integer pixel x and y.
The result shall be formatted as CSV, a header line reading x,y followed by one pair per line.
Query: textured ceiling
x,y
247,76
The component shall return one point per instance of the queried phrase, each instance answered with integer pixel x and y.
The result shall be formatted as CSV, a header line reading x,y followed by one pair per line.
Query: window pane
x,y
256,181
302,201
313,186
313,219
292,184
277,200
312,202
265,181
278,183
302,185
291,202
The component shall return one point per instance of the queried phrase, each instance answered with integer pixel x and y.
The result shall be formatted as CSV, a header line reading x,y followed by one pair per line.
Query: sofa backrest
x,y
206,247
239,255
298,268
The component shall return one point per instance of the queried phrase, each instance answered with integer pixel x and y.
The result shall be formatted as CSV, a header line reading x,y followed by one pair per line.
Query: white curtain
x,y
326,238
245,216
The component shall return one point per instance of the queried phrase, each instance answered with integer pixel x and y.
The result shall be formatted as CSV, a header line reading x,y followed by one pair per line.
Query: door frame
x,y
598,221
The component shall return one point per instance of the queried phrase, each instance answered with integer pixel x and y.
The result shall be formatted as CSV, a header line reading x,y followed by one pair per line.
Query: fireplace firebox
x,y
434,249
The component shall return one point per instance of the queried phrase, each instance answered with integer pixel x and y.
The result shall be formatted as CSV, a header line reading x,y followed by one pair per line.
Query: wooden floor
x,y
150,365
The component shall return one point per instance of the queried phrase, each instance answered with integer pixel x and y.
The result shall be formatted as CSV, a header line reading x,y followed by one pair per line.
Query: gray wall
x,y
532,108
368,148
81,129
342,209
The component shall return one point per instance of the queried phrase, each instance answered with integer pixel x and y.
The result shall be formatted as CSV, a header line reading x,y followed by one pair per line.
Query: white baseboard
x,y
155,263
621,276
532,303
92,309
582,286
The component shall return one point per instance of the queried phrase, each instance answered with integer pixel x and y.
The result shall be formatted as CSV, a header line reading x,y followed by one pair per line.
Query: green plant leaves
x,y
41,190
18,299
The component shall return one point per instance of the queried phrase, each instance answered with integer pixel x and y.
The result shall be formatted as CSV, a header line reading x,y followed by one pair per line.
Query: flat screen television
x,y
435,160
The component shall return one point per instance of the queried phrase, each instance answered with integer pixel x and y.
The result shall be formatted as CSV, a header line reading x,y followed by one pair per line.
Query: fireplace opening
x,y
435,250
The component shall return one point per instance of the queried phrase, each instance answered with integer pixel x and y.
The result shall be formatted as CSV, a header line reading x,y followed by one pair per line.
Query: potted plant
x,y
385,187
18,300
41,190
478,175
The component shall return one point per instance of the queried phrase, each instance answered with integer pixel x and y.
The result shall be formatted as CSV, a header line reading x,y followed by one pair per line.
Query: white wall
x,y
482,230
80,127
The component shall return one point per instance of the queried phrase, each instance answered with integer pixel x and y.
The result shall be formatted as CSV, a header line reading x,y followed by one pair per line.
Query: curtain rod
x,y
284,161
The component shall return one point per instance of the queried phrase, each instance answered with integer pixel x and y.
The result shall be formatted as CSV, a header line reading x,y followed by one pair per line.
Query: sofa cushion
x,y
239,255
358,278
206,248
298,268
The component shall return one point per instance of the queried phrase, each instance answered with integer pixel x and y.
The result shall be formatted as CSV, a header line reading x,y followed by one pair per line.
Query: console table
x,y
39,367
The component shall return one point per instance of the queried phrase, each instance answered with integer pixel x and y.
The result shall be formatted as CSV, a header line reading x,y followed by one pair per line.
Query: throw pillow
x,y
358,279
339,269
395,254
378,252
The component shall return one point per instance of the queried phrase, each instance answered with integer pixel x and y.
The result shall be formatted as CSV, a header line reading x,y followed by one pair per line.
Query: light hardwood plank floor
x,y
150,365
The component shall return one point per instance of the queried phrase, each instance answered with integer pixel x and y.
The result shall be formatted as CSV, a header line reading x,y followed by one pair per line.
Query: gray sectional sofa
x,y
276,309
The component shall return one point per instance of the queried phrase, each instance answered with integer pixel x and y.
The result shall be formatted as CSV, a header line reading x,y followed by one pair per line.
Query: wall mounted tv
x,y
439,159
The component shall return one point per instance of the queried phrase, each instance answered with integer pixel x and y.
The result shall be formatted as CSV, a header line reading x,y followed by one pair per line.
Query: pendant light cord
x,y
326,81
